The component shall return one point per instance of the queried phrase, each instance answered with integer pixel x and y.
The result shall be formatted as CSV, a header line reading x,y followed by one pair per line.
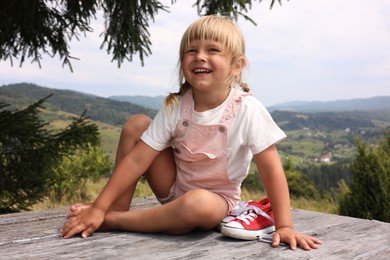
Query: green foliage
x,y
341,192
32,28
327,176
369,195
74,171
300,185
252,182
29,152
231,8
127,27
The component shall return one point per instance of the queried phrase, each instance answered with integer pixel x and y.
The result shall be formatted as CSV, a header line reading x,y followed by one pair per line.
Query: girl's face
x,y
206,65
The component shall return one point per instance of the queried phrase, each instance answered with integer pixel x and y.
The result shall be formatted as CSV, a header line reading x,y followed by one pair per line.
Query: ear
x,y
239,65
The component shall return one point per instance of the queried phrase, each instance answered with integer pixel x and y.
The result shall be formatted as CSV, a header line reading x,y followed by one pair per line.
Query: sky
x,y
304,50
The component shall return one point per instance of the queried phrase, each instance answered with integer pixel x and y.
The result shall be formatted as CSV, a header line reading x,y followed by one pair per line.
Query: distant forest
x,y
116,112
99,109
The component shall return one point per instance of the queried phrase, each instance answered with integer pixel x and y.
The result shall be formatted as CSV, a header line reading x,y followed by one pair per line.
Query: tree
x,y
300,185
29,29
29,153
369,194
72,174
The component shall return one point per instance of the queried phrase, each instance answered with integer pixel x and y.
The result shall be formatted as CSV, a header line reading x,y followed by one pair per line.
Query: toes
x,y
79,206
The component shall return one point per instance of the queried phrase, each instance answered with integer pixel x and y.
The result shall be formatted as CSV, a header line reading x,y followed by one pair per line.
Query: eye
x,y
191,51
214,50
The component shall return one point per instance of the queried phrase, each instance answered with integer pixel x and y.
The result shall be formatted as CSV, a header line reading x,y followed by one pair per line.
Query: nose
x,y
200,56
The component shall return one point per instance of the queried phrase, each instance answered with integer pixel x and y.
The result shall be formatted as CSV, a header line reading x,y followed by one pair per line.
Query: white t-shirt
x,y
252,131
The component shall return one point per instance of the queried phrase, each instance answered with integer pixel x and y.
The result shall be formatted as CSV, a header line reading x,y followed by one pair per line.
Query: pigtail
x,y
245,87
237,81
173,98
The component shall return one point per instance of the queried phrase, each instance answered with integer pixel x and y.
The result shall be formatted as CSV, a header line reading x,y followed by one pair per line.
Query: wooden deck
x,y
34,235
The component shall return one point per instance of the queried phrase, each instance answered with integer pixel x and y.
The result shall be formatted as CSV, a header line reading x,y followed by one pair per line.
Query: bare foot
x,y
79,206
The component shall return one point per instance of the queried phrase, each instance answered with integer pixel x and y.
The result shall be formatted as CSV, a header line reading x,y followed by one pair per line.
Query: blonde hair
x,y
216,28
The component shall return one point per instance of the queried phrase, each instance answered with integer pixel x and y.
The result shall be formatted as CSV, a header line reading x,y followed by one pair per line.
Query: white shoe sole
x,y
245,234
225,221
222,224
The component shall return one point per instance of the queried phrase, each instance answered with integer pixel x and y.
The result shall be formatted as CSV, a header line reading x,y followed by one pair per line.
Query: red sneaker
x,y
256,220
241,207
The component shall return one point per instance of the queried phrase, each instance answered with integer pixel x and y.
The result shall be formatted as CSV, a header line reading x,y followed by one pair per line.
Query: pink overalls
x,y
201,152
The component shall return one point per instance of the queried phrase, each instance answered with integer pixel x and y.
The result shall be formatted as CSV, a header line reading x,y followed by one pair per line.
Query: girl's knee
x,y
194,199
204,206
136,125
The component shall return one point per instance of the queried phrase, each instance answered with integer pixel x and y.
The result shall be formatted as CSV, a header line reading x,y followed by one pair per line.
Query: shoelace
x,y
268,238
240,208
252,213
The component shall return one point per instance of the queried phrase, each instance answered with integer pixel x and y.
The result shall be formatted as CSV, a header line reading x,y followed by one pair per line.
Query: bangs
x,y
216,28
219,29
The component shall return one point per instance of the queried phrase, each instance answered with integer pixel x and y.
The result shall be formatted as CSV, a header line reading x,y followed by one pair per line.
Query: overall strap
x,y
186,105
232,106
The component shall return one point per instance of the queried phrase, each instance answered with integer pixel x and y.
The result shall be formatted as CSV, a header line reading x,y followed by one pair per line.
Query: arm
x,y
273,178
127,172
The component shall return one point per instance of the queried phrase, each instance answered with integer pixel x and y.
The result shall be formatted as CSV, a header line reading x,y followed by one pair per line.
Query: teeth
x,y
201,71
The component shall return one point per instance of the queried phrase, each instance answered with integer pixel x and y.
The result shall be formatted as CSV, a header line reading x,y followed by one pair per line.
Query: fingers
x,y
79,206
84,221
71,228
293,243
75,207
308,242
301,241
315,240
72,214
69,231
276,240
295,239
312,242
87,232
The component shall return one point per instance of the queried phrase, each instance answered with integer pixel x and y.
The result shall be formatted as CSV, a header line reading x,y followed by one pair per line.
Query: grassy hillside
x,y
109,134
310,135
98,109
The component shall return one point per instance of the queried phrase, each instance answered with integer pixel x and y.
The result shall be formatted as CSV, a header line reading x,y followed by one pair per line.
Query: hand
x,y
84,221
293,238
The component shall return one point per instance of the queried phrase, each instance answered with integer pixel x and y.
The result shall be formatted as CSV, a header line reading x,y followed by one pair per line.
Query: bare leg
x,y
130,135
195,209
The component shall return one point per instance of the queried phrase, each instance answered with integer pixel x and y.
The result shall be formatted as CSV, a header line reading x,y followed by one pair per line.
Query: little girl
x,y
197,150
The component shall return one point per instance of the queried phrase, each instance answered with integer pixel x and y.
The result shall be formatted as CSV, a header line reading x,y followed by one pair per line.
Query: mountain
x,y
361,104
149,102
287,115
100,109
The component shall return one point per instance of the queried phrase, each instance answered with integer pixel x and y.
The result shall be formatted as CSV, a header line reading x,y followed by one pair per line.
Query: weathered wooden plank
x,y
34,235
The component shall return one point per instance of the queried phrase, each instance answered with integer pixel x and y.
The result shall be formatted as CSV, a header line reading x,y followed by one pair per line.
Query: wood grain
x,y
34,235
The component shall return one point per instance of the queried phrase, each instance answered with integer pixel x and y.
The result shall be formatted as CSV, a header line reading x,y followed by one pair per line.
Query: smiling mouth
x,y
202,71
